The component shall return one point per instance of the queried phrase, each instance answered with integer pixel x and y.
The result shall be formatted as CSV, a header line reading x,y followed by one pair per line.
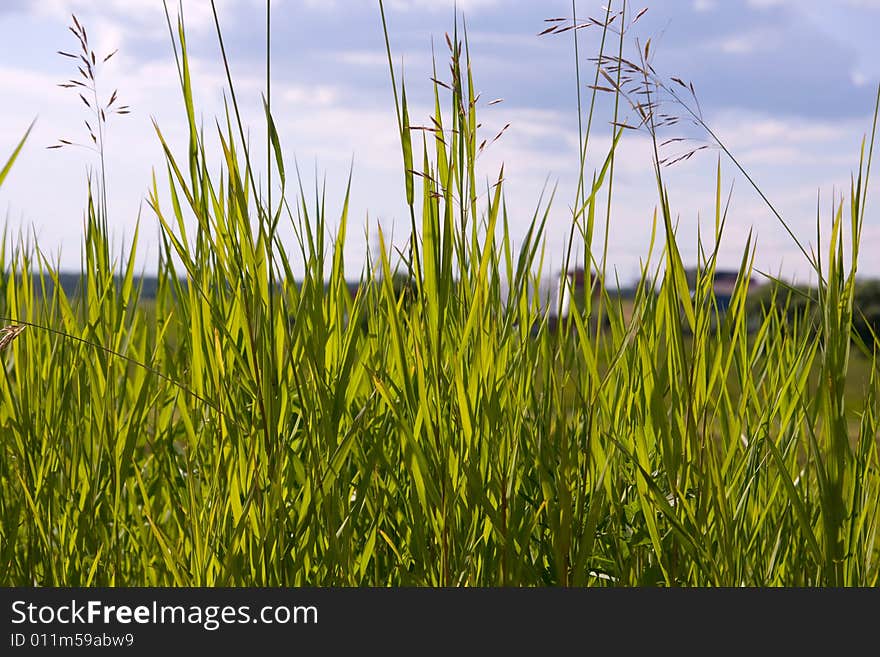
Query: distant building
x,y
723,285
579,281
556,299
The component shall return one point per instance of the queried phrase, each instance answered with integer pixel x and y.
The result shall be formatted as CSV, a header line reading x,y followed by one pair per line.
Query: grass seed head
x,y
9,333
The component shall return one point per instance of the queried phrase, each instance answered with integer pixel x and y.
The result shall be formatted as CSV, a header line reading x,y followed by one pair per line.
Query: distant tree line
x,y
801,302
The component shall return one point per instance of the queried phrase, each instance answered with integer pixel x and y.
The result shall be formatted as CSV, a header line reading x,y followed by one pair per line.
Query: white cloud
x,y
312,96
738,45
767,4
753,129
813,4
405,5
443,5
747,42
365,58
198,13
858,78
509,40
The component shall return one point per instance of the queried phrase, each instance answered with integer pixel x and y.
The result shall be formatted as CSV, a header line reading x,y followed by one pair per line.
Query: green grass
x,y
253,429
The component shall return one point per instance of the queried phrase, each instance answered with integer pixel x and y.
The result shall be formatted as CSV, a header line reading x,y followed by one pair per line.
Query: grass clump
x,y
253,427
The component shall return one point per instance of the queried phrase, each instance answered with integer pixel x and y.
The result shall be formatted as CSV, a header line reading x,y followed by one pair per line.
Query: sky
x,y
789,86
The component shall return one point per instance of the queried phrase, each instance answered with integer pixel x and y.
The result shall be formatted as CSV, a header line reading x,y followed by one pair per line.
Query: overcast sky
x,y
788,85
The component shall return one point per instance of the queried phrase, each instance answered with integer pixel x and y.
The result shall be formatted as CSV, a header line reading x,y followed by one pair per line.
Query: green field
x,y
255,427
